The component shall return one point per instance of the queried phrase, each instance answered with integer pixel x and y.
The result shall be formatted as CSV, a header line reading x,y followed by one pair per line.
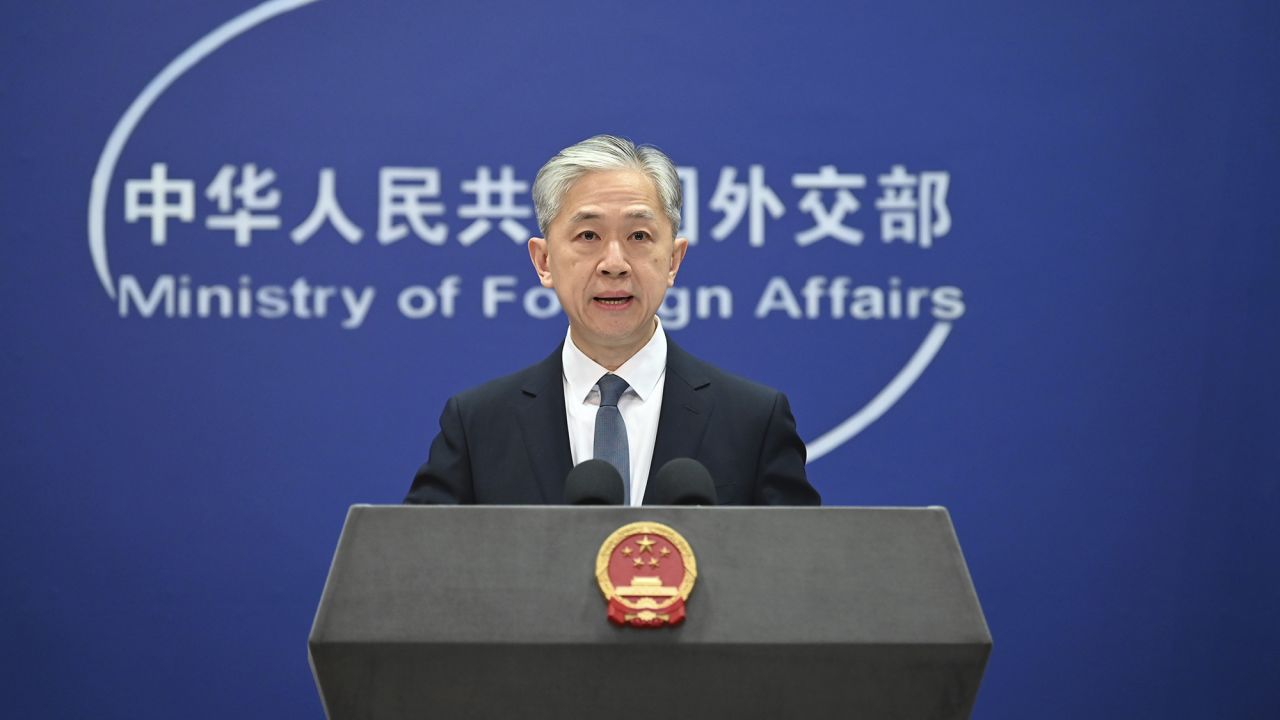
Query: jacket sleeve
x,y
781,478
445,479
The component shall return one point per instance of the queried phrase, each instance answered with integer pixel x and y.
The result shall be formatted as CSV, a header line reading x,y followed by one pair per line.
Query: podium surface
x,y
487,611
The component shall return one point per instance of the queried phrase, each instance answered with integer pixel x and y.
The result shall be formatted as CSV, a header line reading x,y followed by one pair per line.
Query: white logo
x,y
241,205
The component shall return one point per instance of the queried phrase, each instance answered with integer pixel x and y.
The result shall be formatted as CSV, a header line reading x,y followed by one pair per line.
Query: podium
x,y
495,612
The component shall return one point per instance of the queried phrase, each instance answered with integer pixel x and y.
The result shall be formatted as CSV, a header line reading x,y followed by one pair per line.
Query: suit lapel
x,y
686,407
545,428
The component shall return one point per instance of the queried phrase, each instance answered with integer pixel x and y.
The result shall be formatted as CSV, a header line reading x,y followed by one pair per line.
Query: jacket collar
x,y
686,408
545,427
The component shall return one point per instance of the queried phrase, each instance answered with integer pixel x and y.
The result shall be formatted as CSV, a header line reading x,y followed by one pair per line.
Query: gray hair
x,y
605,152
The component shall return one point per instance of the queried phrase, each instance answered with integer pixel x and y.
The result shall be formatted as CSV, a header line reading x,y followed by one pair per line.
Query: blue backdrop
x,y
1015,259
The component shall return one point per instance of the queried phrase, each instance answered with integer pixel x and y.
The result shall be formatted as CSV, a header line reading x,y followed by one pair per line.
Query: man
x,y
617,388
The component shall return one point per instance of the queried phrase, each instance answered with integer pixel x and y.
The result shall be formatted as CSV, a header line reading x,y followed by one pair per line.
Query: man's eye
x,y
640,235
588,235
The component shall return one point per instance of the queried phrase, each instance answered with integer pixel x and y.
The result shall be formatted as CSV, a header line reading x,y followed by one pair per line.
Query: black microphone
x,y
683,481
593,482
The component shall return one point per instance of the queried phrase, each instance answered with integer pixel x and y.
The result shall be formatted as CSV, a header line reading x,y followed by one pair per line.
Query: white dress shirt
x,y
640,405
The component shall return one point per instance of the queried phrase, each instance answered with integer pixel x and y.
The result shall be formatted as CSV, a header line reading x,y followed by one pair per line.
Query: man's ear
x,y
678,249
541,260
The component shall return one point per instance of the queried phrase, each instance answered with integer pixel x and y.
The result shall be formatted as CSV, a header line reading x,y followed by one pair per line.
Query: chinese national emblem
x,y
646,571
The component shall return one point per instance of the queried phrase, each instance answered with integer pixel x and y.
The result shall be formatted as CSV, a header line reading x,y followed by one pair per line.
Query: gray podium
x,y
494,612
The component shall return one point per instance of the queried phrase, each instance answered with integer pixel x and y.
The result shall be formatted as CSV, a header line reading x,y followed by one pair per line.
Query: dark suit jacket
x,y
507,442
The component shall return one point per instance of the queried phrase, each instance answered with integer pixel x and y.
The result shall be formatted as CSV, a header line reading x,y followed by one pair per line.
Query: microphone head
x,y
593,482
683,481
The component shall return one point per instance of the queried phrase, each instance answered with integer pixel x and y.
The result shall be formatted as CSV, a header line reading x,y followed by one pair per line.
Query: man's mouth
x,y
613,300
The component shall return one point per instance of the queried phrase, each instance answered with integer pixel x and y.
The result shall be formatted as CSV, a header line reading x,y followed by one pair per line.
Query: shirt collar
x,y
642,371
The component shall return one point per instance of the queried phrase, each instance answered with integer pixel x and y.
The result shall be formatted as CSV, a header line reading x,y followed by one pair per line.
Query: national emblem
x,y
646,571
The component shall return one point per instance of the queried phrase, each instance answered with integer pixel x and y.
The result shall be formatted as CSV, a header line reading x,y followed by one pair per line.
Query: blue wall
x,y
1088,380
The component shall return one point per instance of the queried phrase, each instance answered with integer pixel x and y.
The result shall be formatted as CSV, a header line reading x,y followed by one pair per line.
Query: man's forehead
x,y
593,179
592,212
588,197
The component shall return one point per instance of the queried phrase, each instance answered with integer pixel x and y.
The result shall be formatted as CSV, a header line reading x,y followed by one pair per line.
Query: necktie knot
x,y
611,389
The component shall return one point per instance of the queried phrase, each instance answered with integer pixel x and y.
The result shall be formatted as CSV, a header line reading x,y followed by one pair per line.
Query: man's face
x,y
610,255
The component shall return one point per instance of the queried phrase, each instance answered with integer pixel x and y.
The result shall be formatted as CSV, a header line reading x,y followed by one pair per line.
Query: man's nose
x,y
614,261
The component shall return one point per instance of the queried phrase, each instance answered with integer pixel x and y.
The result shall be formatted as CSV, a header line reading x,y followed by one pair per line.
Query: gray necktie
x,y
611,432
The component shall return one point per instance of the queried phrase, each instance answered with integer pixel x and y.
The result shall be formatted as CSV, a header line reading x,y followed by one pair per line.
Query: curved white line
x,y
886,398
125,126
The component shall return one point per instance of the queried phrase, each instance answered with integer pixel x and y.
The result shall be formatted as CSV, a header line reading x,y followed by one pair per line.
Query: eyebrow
x,y
638,213
580,216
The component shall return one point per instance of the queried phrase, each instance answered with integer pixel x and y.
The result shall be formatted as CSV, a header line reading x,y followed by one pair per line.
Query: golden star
x,y
626,551
645,544
666,551
639,561
652,561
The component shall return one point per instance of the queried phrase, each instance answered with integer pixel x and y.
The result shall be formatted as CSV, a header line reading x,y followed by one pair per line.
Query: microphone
x,y
683,481
593,482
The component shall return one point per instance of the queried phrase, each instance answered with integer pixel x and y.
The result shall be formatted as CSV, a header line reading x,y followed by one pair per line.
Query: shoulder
x,y
700,373
542,376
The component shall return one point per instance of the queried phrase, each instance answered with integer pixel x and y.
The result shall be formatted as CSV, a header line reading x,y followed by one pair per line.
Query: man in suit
x,y
617,388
